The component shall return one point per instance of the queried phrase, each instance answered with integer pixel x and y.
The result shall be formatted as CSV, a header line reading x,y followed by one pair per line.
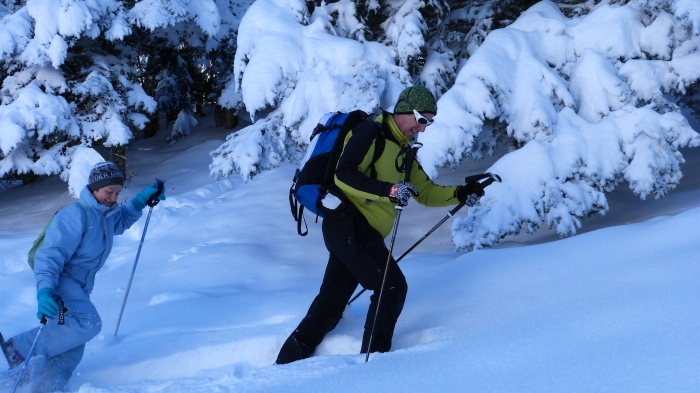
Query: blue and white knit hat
x,y
104,174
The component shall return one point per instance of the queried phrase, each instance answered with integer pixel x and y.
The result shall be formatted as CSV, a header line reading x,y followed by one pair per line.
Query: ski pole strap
x,y
61,310
407,164
300,218
401,168
293,204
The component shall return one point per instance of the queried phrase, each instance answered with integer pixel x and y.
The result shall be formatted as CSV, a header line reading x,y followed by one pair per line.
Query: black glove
x,y
401,192
469,193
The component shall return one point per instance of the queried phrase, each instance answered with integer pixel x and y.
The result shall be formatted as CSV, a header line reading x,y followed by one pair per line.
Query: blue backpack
x,y
313,186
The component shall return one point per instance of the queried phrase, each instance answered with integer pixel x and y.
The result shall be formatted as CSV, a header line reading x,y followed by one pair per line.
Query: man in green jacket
x,y
358,254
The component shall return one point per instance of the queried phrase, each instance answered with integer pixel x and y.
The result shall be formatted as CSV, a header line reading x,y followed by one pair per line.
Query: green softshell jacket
x,y
371,195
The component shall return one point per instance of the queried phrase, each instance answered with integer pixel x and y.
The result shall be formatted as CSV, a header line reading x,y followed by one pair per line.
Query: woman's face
x,y
107,195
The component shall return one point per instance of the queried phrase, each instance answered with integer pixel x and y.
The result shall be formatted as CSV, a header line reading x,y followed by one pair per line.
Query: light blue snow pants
x,y
62,345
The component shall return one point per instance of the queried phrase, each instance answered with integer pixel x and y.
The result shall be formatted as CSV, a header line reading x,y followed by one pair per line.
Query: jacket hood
x,y
88,200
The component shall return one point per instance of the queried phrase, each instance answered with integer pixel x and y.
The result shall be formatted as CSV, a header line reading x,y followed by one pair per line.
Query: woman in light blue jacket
x,y
76,246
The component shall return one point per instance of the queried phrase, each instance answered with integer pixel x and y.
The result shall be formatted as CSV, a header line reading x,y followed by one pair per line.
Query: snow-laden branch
x,y
404,30
296,64
15,29
155,14
32,116
72,76
586,103
36,113
250,151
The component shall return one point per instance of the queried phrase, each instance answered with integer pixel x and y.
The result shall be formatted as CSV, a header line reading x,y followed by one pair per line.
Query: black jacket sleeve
x,y
354,162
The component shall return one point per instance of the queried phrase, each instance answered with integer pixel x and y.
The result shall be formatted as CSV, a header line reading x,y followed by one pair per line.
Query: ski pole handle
x,y
480,176
153,200
492,179
474,198
474,178
487,182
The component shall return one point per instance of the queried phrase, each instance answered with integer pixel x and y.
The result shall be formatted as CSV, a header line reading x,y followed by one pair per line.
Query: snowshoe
x,y
8,378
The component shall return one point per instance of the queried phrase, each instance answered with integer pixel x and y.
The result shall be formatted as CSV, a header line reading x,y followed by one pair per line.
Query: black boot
x,y
293,350
380,343
13,357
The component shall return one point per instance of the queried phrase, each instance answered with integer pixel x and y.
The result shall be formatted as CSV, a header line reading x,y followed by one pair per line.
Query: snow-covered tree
x,y
83,72
584,98
576,98
59,91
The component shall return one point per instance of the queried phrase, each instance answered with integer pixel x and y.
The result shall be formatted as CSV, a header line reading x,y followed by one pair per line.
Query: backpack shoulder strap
x,y
352,120
379,143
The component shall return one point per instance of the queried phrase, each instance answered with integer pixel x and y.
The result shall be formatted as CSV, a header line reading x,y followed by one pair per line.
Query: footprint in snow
x,y
195,249
171,296
341,344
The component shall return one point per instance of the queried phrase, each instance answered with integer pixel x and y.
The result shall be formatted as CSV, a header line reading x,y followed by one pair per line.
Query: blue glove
x,y
47,303
141,198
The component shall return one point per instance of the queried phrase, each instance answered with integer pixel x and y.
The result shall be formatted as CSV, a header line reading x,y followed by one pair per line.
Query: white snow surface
x,y
223,278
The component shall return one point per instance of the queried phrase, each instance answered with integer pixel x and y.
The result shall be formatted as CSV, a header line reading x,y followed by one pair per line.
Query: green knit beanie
x,y
417,96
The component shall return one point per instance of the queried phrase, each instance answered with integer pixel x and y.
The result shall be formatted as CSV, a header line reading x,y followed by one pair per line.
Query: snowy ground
x,y
223,278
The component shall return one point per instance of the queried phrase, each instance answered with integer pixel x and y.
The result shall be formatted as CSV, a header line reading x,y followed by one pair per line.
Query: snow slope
x,y
223,278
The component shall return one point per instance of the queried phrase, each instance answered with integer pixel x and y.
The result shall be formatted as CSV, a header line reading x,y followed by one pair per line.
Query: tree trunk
x,y
27,178
219,116
119,157
225,117
231,119
151,127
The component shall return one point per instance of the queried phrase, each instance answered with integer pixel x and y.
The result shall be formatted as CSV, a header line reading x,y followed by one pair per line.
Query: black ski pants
x,y
353,259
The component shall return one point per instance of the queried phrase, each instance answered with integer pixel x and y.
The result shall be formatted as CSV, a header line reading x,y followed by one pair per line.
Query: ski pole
x,y
410,156
61,321
152,201
451,213
491,179
42,323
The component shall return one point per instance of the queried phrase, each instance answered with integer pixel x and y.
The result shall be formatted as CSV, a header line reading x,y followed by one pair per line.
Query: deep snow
x,y
223,278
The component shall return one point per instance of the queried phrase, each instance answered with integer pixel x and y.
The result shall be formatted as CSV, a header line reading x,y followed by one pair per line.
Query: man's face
x,y
107,195
408,124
